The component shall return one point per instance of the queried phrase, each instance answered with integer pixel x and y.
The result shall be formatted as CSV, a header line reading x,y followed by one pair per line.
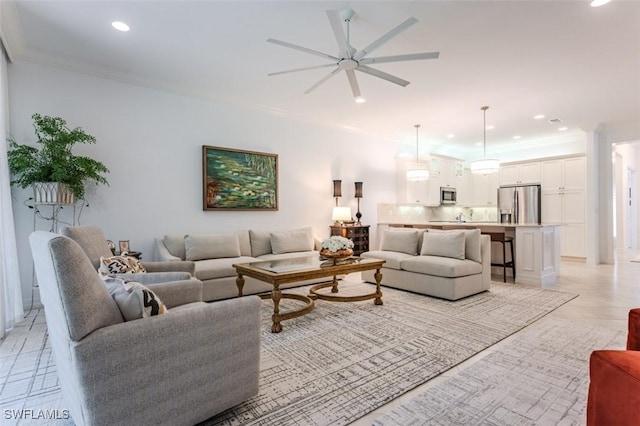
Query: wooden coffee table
x,y
284,271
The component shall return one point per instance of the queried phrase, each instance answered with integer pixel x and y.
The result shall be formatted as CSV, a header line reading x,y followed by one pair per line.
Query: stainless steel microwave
x,y
447,195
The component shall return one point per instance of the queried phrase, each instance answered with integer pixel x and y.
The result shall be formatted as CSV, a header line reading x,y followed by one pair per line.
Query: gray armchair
x,y
173,281
179,368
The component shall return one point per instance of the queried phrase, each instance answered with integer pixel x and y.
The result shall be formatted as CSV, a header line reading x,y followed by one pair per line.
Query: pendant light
x,y
419,172
486,165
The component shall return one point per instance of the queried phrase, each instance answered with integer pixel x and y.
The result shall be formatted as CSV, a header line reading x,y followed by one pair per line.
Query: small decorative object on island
x,y
55,173
336,248
358,196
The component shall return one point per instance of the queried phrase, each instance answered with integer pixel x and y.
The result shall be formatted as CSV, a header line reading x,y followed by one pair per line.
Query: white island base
x,y
537,249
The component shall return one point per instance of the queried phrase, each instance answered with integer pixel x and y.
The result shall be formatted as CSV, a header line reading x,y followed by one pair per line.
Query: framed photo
x,y
124,245
235,179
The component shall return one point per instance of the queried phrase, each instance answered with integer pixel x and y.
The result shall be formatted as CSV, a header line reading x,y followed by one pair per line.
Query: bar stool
x,y
501,237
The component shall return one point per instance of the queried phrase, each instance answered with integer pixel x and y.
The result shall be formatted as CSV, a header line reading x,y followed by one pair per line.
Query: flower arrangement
x,y
335,244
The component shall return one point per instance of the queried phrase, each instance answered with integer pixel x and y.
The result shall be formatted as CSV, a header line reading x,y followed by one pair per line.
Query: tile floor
x,y
607,292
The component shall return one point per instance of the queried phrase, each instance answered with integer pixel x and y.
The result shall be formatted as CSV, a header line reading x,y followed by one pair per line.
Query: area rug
x,y
539,377
343,360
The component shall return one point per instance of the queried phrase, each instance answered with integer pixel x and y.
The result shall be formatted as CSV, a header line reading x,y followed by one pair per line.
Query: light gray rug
x,y
343,360
329,367
540,377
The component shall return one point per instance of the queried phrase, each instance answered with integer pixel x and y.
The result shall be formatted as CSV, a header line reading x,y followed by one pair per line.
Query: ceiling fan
x,y
350,59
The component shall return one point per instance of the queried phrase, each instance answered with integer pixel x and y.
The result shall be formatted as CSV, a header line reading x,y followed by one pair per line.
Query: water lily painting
x,y
239,180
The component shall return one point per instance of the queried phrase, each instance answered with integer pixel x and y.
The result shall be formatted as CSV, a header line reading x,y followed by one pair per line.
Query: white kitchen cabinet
x,y
516,174
445,172
465,189
485,190
417,192
564,201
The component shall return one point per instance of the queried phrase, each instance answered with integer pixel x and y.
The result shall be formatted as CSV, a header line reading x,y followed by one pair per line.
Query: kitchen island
x,y
537,247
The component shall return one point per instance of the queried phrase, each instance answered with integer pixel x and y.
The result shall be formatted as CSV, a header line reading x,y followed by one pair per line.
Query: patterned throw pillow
x,y
134,300
122,264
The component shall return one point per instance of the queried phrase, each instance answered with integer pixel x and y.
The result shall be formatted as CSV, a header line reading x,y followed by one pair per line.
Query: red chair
x,y
614,391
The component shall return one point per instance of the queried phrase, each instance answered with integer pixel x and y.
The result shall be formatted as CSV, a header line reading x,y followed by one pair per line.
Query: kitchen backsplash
x,y
412,214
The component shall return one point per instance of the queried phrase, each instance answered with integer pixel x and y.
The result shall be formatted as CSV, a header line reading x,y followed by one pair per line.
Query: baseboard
x,y
574,259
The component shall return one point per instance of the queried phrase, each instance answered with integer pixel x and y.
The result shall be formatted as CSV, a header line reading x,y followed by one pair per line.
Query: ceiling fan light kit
x,y
486,165
350,59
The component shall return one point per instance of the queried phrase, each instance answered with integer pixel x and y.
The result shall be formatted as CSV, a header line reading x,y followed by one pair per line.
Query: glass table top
x,y
304,263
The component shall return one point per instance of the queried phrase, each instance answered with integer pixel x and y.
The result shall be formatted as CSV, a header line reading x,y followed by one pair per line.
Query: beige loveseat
x,y
215,254
446,264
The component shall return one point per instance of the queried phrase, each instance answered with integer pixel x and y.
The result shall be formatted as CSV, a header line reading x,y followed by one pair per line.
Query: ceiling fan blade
x,y
353,83
338,32
303,49
385,38
382,75
301,69
399,58
322,80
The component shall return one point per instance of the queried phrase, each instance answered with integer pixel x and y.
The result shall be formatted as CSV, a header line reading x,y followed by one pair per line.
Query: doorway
x,y
632,213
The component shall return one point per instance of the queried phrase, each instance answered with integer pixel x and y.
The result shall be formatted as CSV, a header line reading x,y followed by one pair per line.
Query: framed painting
x,y
234,179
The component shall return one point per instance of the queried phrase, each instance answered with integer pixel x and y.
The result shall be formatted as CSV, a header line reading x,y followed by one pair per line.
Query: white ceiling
x,y
563,59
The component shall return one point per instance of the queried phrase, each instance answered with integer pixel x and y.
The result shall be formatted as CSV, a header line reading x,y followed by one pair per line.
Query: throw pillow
x,y
134,300
215,246
260,242
292,241
444,244
175,245
472,247
400,240
122,264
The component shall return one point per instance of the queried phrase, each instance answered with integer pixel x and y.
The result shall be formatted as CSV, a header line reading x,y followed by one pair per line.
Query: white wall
x,y
152,141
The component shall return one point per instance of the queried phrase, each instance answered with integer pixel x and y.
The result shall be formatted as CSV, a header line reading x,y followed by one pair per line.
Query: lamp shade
x,y
337,188
358,190
341,214
485,166
417,174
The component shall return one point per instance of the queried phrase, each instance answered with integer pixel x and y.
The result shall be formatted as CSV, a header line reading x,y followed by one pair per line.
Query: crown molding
x,y
11,33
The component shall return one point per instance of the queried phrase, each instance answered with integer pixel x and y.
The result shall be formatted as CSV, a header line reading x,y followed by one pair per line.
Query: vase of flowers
x,y
336,247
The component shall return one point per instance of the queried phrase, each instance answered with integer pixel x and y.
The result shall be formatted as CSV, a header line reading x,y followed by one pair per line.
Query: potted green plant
x,y
56,174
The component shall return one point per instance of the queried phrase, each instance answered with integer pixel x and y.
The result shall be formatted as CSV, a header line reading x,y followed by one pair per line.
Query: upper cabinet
x,y
443,172
485,190
516,174
565,174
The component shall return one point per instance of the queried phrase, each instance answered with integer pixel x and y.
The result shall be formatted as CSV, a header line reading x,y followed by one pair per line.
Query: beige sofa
x,y
446,264
215,254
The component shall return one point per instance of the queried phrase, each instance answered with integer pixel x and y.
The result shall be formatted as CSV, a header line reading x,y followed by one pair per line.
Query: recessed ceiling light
x,y
539,116
562,129
451,135
478,143
120,26
360,100
490,127
596,3
517,137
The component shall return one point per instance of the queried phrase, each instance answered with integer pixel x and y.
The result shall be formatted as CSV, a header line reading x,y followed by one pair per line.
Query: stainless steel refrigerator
x,y
519,204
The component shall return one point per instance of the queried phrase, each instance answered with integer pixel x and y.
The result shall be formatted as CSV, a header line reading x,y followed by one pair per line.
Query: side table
x,y
359,234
